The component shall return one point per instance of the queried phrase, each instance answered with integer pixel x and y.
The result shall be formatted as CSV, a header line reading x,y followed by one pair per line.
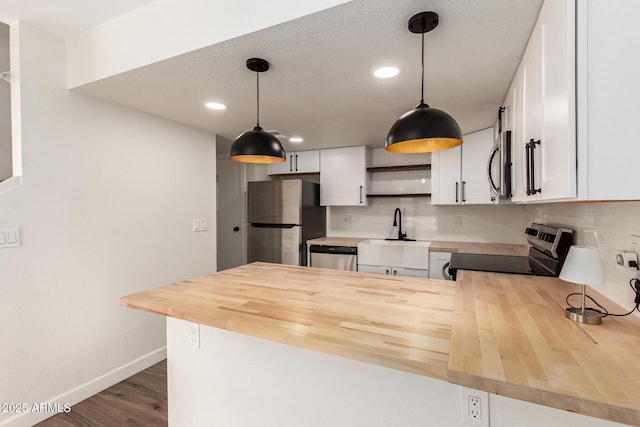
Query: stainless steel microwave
x,y
499,167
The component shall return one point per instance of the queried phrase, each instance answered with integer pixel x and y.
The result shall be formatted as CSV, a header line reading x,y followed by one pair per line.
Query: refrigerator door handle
x,y
261,225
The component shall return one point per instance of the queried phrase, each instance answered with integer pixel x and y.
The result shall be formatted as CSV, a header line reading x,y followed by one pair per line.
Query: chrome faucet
x,y
397,222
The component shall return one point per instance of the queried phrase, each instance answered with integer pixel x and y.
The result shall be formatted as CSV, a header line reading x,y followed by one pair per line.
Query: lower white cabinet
x,y
437,260
393,271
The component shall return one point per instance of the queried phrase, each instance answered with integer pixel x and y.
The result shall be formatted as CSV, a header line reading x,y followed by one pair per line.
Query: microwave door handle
x,y
494,151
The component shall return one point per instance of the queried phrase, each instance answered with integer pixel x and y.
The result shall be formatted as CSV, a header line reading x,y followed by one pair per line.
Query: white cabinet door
x,y
344,180
558,145
532,116
412,272
474,188
608,107
281,168
297,162
544,134
363,268
516,123
306,161
445,177
459,175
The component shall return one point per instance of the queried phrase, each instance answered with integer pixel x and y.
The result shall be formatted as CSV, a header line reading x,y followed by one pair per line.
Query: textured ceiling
x,y
320,84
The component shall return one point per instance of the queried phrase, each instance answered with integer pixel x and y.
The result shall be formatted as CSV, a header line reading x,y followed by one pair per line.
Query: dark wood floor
x,y
140,400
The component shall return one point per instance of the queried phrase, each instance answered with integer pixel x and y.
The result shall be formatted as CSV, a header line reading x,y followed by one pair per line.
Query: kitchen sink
x,y
399,253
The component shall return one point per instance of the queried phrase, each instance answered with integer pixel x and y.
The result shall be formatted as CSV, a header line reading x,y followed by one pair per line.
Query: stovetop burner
x,y
549,248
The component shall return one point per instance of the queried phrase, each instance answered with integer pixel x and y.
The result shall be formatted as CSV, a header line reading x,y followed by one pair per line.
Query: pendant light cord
x,y
422,94
258,99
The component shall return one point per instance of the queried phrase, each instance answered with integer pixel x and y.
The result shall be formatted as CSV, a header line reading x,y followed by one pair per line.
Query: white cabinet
x,y
437,261
445,176
393,271
459,175
513,121
608,107
297,162
344,180
542,97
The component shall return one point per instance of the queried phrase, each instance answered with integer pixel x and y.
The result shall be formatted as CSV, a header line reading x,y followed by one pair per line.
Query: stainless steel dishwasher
x,y
336,257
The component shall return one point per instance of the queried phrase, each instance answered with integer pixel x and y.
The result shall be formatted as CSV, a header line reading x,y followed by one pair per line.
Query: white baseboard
x,y
88,389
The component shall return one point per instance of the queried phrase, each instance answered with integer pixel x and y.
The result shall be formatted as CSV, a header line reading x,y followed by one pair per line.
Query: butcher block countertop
x,y
510,337
502,333
397,322
436,246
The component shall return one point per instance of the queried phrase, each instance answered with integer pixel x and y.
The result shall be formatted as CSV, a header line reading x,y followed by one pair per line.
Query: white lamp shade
x,y
582,266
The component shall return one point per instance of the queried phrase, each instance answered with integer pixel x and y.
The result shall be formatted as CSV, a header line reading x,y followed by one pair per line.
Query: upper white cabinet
x,y
297,162
574,104
344,180
608,107
541,106
459,175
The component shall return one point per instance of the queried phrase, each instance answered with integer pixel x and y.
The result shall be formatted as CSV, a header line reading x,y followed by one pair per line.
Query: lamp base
x,y
590,316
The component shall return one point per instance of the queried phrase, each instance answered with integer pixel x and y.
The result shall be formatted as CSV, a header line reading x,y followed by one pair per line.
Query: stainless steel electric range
x,y
548,249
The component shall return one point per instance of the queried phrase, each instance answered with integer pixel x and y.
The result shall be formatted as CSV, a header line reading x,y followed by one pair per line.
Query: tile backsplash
x,y
423,221
610,226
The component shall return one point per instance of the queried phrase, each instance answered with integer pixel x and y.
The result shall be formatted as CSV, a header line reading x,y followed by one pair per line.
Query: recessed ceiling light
x,y
215,106
295,139
386,72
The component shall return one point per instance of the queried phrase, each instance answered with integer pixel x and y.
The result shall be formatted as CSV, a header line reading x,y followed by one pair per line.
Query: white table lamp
x,y
582,266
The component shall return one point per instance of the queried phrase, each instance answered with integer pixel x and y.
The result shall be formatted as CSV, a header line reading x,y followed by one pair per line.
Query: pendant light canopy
x,y
257,146
423,129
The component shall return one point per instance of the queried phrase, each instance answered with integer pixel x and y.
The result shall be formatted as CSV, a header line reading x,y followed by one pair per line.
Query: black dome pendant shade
x,y
424,129
257,146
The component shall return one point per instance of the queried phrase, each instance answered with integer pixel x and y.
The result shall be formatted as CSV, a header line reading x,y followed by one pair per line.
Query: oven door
x,y
499,168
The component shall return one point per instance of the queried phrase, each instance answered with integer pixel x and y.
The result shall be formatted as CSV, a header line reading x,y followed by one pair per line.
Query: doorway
x,y
231,218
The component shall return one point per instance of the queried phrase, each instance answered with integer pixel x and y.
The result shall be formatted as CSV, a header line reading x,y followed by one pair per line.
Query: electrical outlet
x,y
347,219
474,407
457,221
194,334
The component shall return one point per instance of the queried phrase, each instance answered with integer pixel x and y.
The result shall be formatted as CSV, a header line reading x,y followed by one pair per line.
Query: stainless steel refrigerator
x,y
282,216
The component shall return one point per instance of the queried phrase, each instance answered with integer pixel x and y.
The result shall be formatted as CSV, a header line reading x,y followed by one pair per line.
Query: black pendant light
x,y
257,146
423,129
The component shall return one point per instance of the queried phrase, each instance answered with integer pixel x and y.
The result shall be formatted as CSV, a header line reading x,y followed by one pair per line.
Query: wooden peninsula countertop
x,y
393,321
510,337
502,333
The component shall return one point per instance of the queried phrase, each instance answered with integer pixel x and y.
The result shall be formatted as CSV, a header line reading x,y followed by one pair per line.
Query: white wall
x,y
105,210
166,28
423,221
610,226
6,170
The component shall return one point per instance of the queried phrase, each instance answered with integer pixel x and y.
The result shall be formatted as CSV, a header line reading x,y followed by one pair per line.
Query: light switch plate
x,y
9,237
196,224
204,224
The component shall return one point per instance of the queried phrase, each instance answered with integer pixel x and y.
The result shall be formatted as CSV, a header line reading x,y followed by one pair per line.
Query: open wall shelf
x,y
401,195
402,168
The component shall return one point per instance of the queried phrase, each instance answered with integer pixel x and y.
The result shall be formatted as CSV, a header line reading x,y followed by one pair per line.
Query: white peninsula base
x,y
237,380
